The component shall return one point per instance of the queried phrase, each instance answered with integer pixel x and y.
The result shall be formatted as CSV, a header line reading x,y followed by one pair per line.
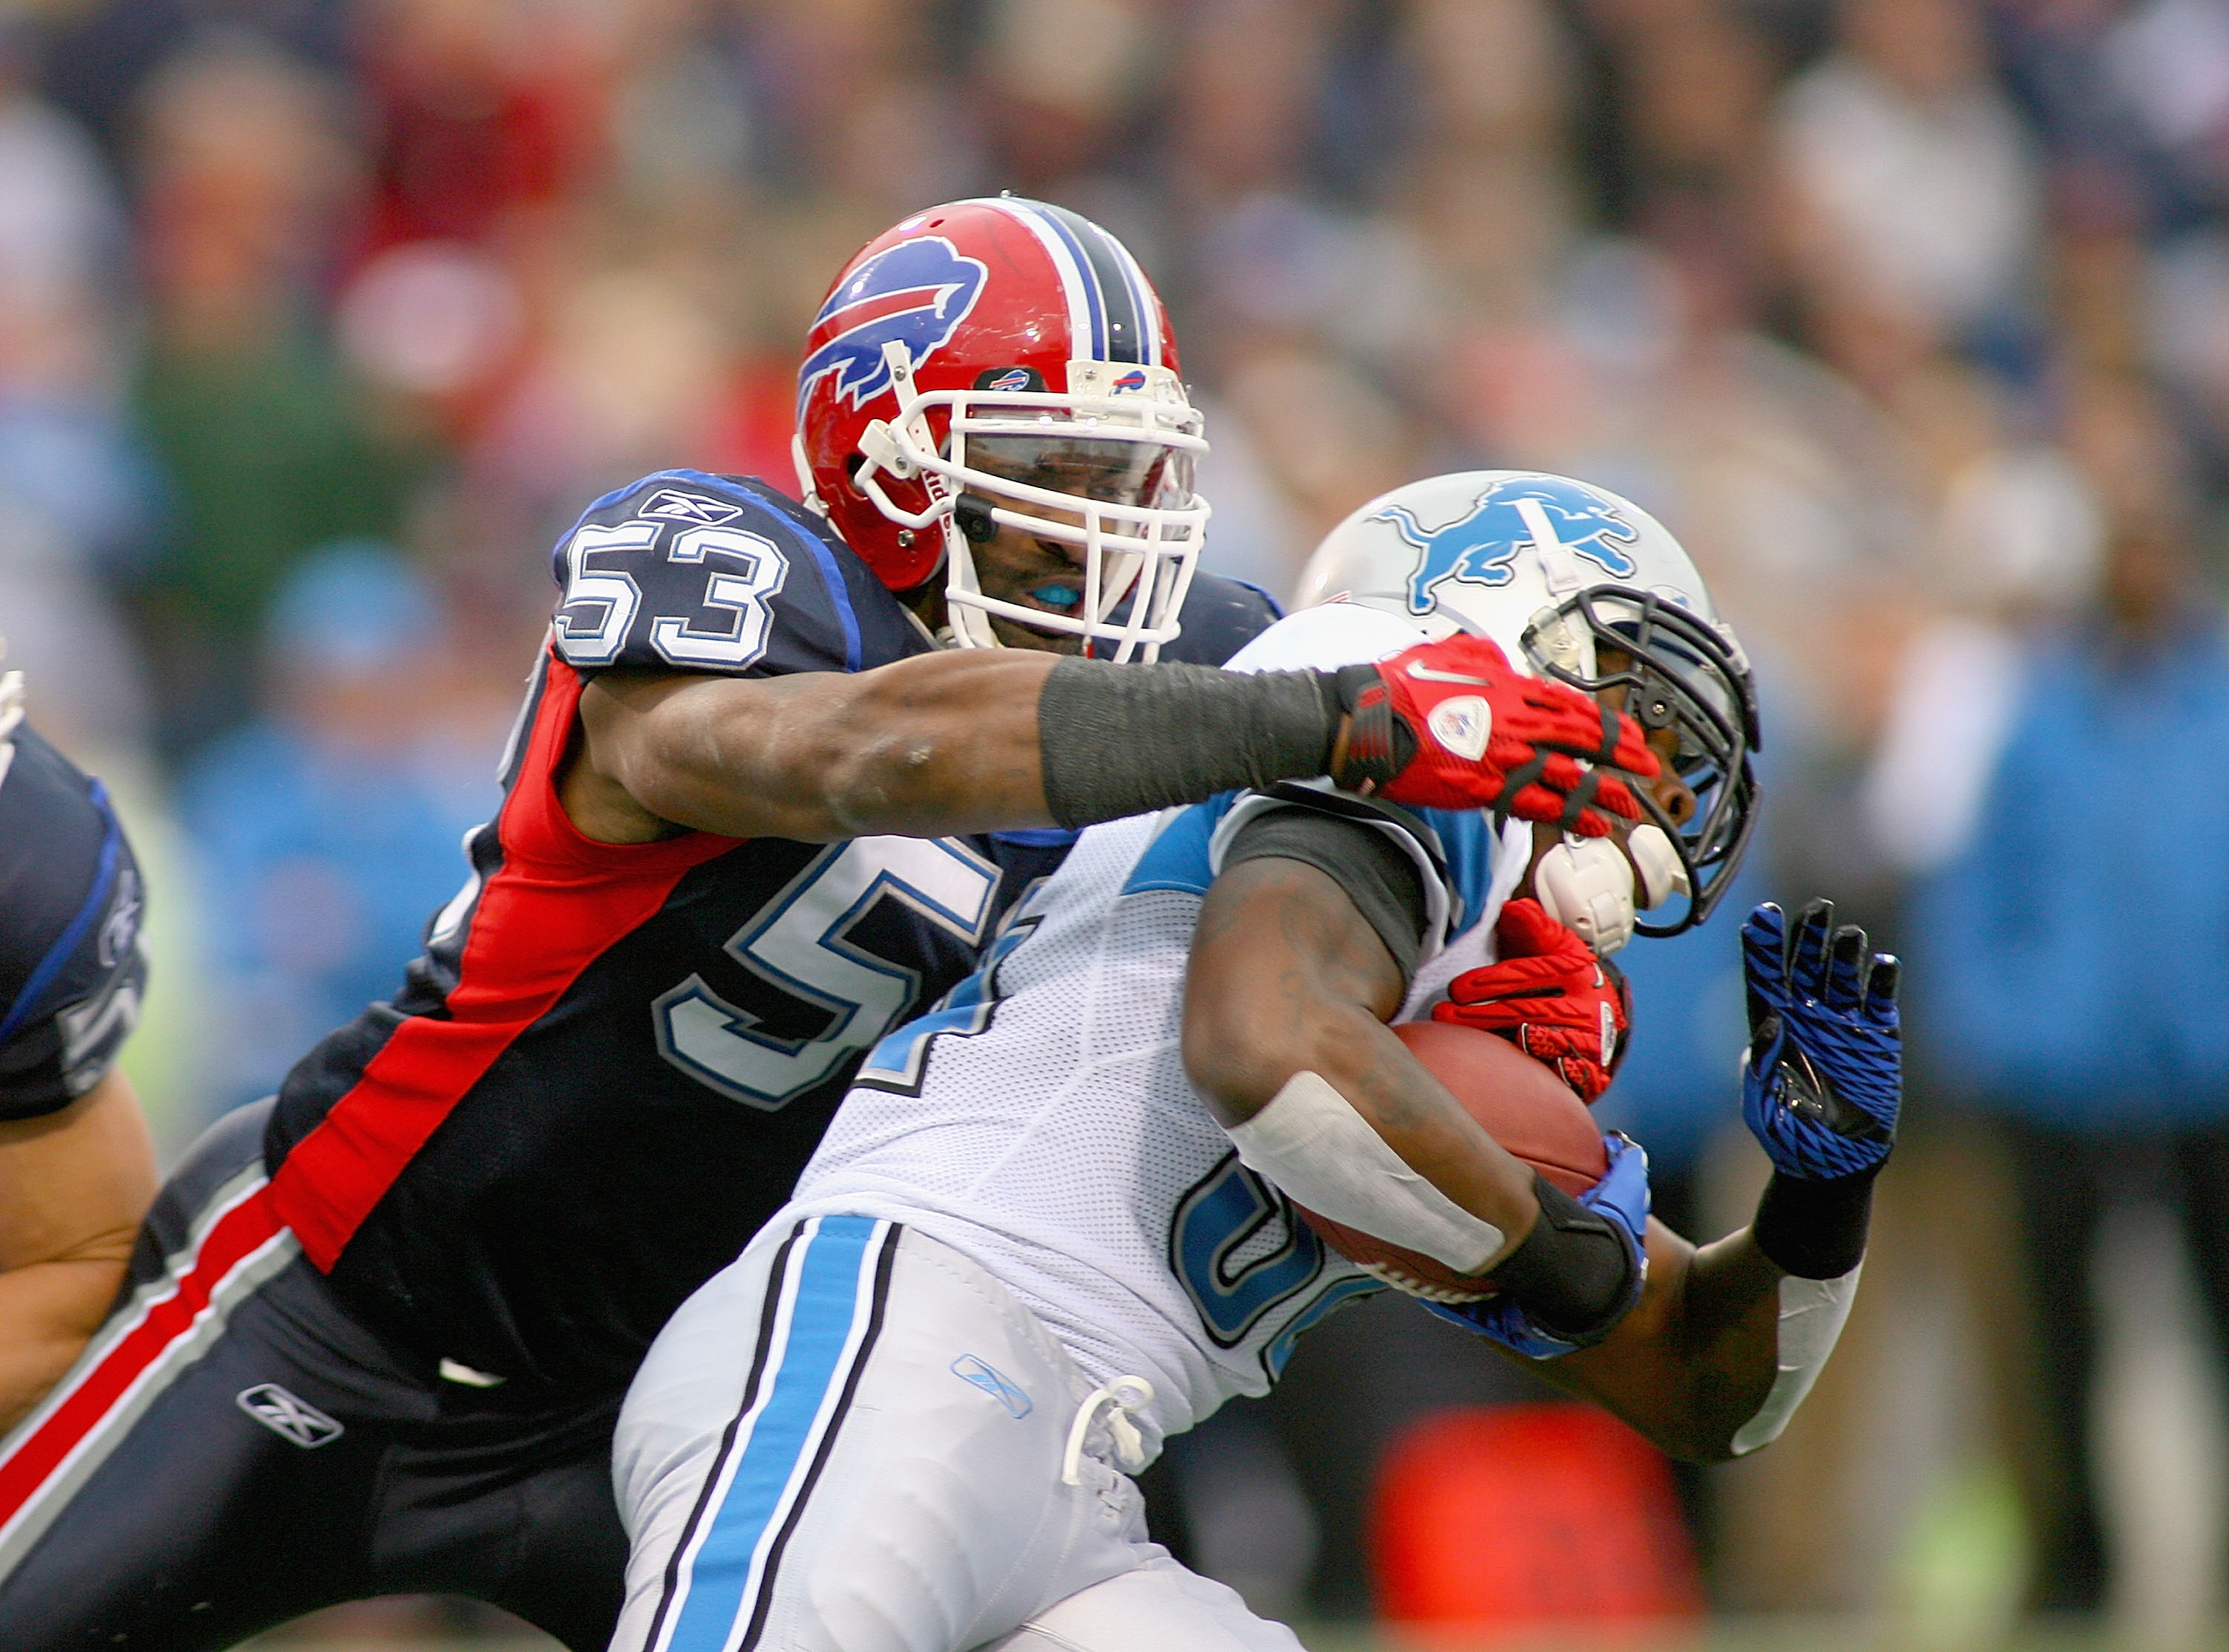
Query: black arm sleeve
x,y
1126,739
1379,878
1814,1230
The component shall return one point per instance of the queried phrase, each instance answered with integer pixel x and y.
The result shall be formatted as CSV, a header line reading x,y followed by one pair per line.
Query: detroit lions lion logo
x,y
1480,546
916,294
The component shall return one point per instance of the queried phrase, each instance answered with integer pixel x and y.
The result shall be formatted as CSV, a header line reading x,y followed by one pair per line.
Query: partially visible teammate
x,y
77,1169
386,1324
1046,1229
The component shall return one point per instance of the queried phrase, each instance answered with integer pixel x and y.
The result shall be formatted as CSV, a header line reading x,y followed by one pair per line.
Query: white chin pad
x,y
1660,871
1586,885
1309,1142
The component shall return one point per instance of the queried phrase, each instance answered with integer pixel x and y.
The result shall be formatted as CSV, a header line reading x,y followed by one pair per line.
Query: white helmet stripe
x,y
1086,321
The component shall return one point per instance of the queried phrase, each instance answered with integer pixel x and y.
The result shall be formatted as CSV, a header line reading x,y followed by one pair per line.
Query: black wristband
x,y
1125,739
1574,1271
1814,1230
1379,743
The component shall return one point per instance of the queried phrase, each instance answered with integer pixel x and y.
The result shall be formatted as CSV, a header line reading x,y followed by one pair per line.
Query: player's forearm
x,y
955,742
944,743
1727,1333
1431,1132
1288,978
1694,1362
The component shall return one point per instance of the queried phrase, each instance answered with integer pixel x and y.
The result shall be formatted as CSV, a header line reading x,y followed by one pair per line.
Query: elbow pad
x,y
1312,1145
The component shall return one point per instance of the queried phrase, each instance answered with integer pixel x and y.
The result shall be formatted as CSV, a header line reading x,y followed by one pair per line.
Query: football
x,y
1523,1105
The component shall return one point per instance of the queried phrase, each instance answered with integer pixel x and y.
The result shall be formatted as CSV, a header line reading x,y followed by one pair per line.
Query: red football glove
x,y
1549,996
1449,724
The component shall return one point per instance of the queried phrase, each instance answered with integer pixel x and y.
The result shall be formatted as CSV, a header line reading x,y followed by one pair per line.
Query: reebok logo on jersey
x,y
1463,725
689,508
1000,1386
290,1417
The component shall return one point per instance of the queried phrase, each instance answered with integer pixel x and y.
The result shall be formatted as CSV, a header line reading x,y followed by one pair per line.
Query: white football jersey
x,y
1039,1120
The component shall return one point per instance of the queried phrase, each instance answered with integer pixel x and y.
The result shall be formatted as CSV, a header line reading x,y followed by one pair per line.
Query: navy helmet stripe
x,y
1123,333
1093,289
1148,306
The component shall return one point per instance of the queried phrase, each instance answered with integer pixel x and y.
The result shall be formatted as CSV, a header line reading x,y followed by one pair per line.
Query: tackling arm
x,y
940,743
74,1185
989,740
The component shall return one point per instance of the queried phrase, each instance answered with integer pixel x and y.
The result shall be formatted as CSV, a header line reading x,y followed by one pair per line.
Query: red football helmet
x,y
1005,363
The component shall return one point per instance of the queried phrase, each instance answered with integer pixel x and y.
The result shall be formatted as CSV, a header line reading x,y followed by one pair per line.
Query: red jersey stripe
x,y
234,1239
556,903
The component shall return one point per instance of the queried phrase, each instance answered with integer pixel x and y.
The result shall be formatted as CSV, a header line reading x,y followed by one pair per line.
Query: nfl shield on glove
x,y
1451,725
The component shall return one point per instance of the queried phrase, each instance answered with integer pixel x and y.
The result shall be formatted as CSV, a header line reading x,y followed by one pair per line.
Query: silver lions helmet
x,y
1576,583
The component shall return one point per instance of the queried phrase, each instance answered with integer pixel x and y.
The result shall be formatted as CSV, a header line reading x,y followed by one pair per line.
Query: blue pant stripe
x,y
831,1303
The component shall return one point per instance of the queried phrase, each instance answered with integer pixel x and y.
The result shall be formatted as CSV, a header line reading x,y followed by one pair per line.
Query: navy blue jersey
x,y
72,971
1219,617
612,1060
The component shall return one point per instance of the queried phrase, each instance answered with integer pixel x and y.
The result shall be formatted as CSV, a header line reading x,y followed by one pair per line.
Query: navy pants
x,y
234,1449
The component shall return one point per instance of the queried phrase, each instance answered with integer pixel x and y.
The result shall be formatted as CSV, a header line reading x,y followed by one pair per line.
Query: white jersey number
x,y
753,573
600,603
800,941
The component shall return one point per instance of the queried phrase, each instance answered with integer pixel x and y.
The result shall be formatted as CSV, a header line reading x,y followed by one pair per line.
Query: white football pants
x,y
853,1439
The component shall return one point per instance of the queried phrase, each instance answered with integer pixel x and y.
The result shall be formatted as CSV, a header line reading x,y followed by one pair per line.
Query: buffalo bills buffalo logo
x,y
1480,545
1130,383
916,294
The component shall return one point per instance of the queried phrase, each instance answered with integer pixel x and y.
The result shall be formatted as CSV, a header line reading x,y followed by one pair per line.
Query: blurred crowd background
x,y
319,319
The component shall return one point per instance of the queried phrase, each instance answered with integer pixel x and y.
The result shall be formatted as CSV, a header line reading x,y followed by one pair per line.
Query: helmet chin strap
x,y
1559,566
1587,884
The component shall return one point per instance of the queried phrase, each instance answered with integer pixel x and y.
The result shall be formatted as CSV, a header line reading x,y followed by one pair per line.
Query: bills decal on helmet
x,y
1480,545
1112,314
915,293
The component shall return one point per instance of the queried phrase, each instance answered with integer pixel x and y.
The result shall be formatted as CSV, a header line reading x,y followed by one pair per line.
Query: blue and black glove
x,y
1580,1270
1822,1080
